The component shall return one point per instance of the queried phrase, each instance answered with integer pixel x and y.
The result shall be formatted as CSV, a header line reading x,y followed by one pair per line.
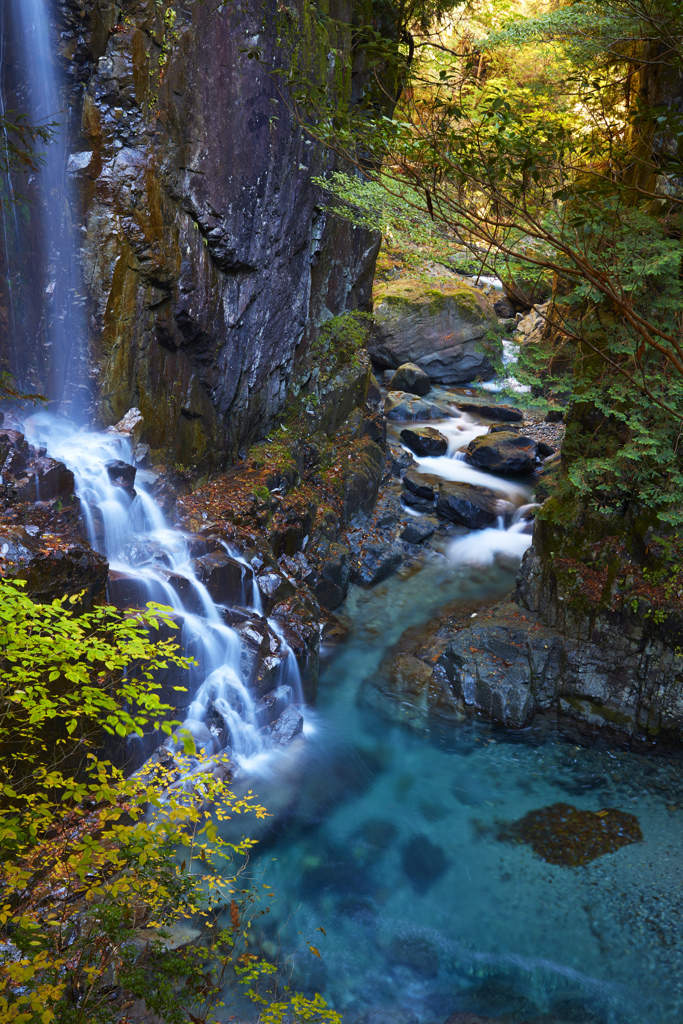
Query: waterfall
x,y
153,562
41,257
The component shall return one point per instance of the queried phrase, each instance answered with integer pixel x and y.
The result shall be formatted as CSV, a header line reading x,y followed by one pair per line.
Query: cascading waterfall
x,y
127,526
41,242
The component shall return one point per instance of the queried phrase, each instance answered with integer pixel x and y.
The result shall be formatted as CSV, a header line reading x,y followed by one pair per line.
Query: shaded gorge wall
x,y
207,256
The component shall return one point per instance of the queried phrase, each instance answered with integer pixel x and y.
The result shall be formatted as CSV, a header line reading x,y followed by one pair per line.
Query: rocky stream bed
x,y
469,847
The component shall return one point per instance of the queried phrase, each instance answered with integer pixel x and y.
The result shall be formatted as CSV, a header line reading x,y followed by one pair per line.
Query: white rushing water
x,y
510,538
40,247
156,563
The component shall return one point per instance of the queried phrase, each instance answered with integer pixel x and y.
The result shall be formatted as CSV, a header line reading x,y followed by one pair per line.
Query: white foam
x,y
480,547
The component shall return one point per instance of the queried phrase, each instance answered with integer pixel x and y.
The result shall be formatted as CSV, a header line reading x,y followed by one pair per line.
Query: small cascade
x,y
150,561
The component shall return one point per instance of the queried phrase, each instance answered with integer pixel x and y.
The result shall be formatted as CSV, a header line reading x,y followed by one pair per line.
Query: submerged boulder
x,y
440,326
505,452
424,441
411,378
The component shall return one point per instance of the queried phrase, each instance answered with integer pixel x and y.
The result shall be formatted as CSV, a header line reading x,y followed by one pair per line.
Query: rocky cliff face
x,y
208,255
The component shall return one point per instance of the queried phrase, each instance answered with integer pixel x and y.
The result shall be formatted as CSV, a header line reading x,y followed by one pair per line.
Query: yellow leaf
x,y
314,951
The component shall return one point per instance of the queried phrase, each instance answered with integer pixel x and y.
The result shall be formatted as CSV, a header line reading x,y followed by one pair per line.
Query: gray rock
x,y
507,452
332,584
418,504
272,705
401,460
410,378
398,405
227,580
490,410
375,562
419,530
554,416
441,327
467,505
424,441
289,725
362,479
121,473
424,485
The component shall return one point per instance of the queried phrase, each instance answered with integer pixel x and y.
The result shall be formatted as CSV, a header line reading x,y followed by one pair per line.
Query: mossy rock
x,y
448,329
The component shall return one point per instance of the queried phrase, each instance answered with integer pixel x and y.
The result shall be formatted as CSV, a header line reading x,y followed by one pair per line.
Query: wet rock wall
x,y
208,255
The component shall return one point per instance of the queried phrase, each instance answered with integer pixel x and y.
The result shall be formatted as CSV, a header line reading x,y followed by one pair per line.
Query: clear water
x,y
384,836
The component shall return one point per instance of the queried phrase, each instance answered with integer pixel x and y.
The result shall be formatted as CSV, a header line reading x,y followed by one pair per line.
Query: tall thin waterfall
x,y
41,259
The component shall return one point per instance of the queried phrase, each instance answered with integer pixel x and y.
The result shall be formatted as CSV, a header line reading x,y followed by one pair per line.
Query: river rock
x,y
274,587
484,669
262,653
467,505
489,410
398,405
227,580
439,326
401,460
125,590
410,378
375,561
45,480
507,453
299,619
272,705
331,584
419,530
424,441
423,485
121,473
425,505
289,725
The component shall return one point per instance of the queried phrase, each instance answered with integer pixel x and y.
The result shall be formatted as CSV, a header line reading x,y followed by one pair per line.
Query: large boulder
x,y
441,327
505,452
411,378
399,405
488,409
424,441
468,505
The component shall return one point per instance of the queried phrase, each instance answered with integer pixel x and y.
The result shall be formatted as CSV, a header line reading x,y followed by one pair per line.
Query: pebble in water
x,y
562,834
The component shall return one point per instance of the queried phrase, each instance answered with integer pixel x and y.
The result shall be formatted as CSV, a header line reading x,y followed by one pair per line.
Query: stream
x,y
382,848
